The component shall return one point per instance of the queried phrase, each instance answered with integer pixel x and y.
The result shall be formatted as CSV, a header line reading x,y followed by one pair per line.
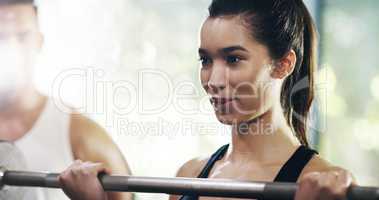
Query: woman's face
x,y
235,70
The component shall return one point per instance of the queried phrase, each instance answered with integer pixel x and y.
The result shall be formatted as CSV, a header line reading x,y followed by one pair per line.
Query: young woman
x,y
258,59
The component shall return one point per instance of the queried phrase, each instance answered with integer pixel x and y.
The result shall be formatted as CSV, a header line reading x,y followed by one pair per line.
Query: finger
x,y
308,187
328,180
82,169
67,174
66,183
334,185
328,185
100,168
344,181
63,183
73,165
77,162
90,169
69,170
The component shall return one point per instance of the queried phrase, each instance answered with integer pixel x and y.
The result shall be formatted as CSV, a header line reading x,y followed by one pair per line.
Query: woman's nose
x,y
218,79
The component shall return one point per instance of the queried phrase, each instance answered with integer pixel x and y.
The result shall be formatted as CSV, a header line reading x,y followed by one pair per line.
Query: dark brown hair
x,y
282,25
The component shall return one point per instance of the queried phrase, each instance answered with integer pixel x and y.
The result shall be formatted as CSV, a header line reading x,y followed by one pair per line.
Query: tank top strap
x,y
214,158
292,169
207,169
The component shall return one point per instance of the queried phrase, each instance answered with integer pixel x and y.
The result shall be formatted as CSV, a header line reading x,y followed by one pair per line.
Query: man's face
x,y
20,42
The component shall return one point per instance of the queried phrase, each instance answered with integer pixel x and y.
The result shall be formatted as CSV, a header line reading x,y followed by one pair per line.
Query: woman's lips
x,y
220,100
221,103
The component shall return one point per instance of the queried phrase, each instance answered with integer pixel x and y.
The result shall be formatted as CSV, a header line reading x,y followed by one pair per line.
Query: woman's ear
x,y
285,66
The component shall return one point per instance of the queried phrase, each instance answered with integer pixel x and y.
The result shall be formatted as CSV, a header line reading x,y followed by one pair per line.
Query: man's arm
x,y
90,142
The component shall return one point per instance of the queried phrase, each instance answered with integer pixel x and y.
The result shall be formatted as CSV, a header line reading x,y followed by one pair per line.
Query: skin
x,y
244,83
21,104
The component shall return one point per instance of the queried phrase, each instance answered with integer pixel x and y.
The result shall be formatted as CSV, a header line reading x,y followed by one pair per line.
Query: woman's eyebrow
x,y
233,48
202,51
225,50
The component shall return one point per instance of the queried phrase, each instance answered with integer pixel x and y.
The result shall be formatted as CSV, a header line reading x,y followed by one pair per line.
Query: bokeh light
x,y
375,87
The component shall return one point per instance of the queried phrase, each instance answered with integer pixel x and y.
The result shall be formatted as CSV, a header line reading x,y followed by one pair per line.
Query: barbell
x,y
181,186
13,181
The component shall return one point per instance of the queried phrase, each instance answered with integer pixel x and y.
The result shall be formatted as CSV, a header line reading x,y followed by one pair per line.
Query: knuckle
x,y
336,173
63,178
311,179
309,176
87,163
341,171
83,169
76,171
65,174
76,162
86,172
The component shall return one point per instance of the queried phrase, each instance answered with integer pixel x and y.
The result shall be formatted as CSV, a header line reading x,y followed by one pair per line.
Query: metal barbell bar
x,y
181,186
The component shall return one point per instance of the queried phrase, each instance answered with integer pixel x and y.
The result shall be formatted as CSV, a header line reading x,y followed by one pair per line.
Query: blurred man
x,y
50,139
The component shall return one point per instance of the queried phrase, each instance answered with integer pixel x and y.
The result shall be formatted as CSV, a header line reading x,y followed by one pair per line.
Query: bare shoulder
x,y
192,168
318,164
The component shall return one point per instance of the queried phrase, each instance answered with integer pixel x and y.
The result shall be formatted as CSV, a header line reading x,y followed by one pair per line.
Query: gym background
x,y
132,66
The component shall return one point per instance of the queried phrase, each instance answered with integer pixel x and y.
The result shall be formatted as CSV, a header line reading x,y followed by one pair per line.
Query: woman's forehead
x,y
223,29
221,32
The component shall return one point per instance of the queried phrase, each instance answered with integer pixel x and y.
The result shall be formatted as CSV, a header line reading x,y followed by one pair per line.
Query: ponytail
x,y
298,89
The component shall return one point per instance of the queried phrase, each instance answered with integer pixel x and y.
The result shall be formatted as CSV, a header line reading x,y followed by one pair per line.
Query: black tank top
x,y
289,172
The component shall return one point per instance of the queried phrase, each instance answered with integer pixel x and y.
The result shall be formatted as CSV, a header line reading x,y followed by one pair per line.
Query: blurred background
x,y
132,66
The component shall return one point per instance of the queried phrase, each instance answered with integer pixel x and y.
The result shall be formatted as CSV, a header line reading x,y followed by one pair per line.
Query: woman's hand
x,y
332,185
80,181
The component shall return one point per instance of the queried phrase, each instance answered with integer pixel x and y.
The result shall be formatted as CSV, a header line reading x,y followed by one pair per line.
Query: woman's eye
x,y
232,59
205,61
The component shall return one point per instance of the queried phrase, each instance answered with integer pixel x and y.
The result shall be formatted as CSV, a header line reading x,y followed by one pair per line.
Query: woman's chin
x,y
228,119
233,118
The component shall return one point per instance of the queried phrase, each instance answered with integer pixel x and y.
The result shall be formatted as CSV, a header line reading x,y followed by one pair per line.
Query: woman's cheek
x,y
247,107
204,77
253,100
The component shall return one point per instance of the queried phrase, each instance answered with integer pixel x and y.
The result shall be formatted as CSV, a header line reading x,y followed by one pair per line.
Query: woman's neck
x,y
267,138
